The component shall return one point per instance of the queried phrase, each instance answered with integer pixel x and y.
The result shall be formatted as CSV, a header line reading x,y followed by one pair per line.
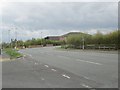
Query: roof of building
x,y
65,35
72,33
48,37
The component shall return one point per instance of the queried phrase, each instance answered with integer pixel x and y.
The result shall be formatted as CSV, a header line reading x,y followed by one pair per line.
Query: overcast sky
x,y
56,18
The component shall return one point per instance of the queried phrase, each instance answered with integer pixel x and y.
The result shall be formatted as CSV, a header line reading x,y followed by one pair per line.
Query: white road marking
x,y
46,66
89,62
66,76
54,70
86,86
42,79
86,77
36,63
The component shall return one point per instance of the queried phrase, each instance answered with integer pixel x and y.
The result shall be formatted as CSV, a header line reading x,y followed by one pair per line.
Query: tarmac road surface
x,y
48,67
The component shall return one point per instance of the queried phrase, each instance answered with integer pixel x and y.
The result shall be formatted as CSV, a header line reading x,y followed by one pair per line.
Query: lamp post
x,y
9,38
15,36
16,39
41,38
83,43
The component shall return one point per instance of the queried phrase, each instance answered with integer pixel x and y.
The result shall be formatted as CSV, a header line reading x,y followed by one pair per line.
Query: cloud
x,y
53,18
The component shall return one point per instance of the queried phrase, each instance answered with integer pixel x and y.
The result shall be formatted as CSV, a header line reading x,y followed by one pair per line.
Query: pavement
x,y
4,57
50,68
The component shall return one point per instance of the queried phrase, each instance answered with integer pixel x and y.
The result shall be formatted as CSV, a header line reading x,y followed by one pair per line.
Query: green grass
x,y
12,53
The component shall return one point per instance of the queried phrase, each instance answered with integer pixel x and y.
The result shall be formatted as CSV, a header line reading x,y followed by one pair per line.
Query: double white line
x,y
86,86
46,66
89,62
65,76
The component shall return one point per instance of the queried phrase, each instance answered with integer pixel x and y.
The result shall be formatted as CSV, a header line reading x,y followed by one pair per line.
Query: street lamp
x,y
16,38
9,38
41,38
83,43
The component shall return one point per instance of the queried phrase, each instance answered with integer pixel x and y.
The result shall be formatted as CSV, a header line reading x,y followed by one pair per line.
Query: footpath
x,y
4,57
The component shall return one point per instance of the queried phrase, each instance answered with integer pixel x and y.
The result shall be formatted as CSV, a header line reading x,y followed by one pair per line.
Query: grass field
x,y
12,53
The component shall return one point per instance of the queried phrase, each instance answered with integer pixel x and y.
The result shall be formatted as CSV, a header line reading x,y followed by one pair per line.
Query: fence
x,y
102,47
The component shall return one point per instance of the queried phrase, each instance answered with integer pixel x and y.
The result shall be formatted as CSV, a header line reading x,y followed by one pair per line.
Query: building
x,y
52,38
62,37
71,33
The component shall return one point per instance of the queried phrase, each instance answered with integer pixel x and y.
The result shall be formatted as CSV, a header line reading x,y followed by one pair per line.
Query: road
x,y
53,68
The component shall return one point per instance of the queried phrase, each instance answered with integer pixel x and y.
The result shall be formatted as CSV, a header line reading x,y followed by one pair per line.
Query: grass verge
x,y
13,53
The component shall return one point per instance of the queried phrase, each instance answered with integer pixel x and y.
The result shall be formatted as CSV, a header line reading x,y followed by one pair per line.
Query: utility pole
x,y
41,38
9,38
83,43
16,38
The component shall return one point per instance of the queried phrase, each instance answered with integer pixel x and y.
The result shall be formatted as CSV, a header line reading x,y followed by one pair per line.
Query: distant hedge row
x,y
104,40
110,40
31,42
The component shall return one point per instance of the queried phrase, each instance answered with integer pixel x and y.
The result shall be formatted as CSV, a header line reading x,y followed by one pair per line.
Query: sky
x,y
26,20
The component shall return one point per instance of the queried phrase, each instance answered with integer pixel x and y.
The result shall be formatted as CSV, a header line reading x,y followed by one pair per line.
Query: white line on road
x,y
86,86
42,79
86,77
89,62
36,63
54,70
65,76
46,66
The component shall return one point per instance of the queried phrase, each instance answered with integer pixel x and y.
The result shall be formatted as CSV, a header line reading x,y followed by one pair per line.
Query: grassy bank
x,y
12,53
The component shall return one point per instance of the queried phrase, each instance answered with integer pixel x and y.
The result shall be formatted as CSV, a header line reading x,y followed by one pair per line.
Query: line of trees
x,y
98,40
30,43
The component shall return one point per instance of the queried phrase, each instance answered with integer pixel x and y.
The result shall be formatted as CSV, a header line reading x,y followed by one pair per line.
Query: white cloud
x,y
59,18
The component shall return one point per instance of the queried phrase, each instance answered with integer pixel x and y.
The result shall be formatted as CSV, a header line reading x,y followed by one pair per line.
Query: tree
x,y
98,38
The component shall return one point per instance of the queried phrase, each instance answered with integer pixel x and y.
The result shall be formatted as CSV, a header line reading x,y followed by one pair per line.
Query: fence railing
x,y
102,46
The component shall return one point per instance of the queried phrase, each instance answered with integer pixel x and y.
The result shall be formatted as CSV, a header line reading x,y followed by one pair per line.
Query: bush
x,y
105,40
